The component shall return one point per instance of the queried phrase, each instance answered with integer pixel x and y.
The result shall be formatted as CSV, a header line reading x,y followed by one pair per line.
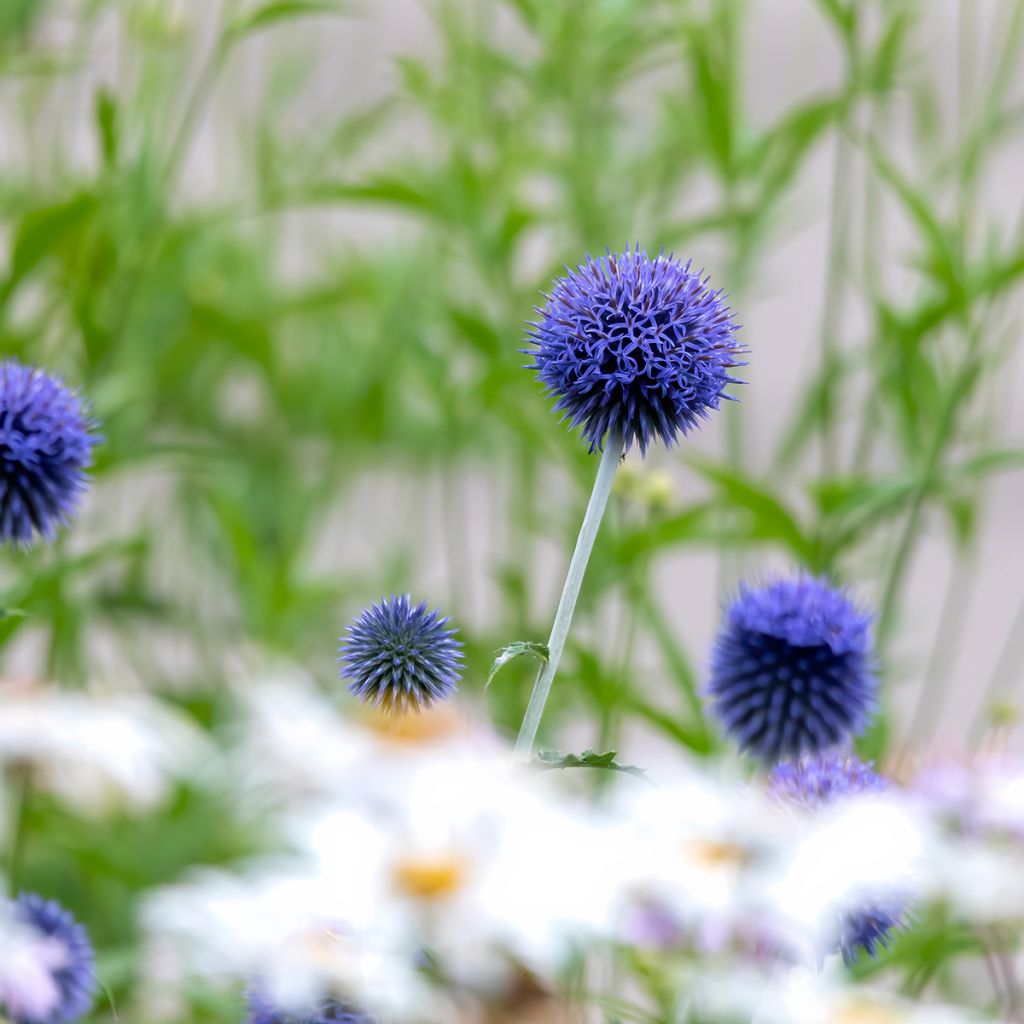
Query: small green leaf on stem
x,y
515,650
547,760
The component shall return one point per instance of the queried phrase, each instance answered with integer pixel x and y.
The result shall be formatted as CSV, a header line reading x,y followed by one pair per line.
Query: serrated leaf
x,y
548,760
516,650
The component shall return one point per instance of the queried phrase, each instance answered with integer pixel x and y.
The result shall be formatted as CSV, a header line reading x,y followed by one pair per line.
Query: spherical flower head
x,y
792,670
400,656
330,1011
46,964
637,345
46,443
817,780
868,929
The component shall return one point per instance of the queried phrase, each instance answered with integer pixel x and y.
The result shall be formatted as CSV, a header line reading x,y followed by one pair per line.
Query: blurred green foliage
x,y
248,392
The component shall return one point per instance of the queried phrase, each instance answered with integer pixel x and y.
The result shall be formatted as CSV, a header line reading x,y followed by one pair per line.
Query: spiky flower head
x,y
46,963
633,344
869,928
400,657
823,780
46,443
330,1011
792,670
819,779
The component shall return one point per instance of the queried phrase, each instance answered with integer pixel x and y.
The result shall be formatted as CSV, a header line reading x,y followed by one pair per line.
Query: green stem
x,y
21,787
938,674
570,592
911,527
1003,676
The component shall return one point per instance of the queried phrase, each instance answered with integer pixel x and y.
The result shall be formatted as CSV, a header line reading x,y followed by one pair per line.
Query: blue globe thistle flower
x,y
818,780
868,928
792,670
330,1011
400,657
45,449
639,345
47,975
822,780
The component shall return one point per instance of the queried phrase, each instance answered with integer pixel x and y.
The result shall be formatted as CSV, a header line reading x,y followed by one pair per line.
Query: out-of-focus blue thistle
x,y
46,974
822,780
46,445
261,1011
819,779
869,928
400,656
792,670
635,344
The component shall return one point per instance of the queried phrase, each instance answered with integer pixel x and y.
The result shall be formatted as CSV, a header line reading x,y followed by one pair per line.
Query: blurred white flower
x,y
96,752
283,927
293,744
801,996
857,854
980,879
701,849
476,864
441,847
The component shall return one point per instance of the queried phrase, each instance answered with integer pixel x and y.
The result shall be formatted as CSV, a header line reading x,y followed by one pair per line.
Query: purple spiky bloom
x,y
820,779
869,928
330,1011
792,670
823,780
47,974
638,345
46,443
400,656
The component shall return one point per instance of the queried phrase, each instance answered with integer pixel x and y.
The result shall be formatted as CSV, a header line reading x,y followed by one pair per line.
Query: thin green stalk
x,y
831,318
1008,665
570,593
674,655
939,672
21,786
912,524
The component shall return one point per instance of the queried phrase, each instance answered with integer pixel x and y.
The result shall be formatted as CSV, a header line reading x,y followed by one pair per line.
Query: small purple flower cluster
x,y
47,974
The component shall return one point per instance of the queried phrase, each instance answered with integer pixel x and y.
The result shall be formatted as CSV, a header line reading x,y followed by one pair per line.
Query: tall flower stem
x,y
570,592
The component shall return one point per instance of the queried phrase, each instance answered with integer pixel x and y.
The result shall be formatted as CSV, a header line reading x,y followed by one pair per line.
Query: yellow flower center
x,y
867,1013
715,853
430,877
413,728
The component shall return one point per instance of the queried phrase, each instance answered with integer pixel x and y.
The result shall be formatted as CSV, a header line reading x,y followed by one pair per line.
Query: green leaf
x,y
698,739
45,231
941,261
280,10
771,520
843,16
516,650
695,525
548,760
107,125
